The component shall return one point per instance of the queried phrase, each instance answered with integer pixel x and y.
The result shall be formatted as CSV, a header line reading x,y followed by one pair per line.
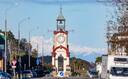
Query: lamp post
x,y
24,19
19,25
5,55
5,59
29,53
43,43
29,61
37,61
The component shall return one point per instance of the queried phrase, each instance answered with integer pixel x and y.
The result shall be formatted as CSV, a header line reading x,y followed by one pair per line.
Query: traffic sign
x,y
13,67
37,61
60,74
14,62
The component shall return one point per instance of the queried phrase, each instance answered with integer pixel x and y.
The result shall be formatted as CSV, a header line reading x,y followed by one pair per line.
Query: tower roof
x,y
60,16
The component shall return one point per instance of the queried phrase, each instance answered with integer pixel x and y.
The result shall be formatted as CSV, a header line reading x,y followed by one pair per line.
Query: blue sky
x,y
86,17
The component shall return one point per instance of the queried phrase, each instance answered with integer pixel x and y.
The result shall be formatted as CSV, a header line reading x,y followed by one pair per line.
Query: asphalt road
x,y
65,78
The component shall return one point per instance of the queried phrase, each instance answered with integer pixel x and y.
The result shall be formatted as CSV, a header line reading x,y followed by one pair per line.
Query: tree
x,y
79,66
23,43
34,53
12,45
98,59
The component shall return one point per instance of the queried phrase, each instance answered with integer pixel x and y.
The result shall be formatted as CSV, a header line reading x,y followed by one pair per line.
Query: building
x,y
99,68
2,50
117,30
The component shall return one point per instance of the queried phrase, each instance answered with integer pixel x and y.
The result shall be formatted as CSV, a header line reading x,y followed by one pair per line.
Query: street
x,y
65,78
63,39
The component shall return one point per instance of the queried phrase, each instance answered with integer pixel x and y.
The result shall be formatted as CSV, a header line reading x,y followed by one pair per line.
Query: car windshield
x,y
119,71
26,71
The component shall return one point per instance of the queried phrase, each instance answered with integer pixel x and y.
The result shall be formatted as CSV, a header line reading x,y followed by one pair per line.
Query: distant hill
x,y
48,60
74,62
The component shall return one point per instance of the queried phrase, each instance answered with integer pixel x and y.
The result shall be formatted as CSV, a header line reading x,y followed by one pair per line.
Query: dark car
x,y
40,73
5,75
26,74
92,74
34,73
46,71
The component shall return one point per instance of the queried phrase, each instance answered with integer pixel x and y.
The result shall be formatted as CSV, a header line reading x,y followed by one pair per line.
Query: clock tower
x,y
60,52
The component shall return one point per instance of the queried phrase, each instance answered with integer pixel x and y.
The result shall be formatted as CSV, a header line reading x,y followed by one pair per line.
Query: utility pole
x,y
43,51
24,19
37,58
5,55
29,60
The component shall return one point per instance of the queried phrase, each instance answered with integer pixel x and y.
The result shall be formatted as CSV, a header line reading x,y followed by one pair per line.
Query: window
x,y
119,71
120,59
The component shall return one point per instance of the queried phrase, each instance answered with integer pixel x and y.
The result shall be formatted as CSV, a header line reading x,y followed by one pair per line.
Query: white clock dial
x,y
60,38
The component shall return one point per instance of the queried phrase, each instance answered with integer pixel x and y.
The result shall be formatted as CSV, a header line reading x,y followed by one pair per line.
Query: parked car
x,y
26,74
40,73
5,75
34,73
46,71
92,74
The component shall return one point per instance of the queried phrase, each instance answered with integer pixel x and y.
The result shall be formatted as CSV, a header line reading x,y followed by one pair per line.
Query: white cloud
x,y
44,45
84,50
76,50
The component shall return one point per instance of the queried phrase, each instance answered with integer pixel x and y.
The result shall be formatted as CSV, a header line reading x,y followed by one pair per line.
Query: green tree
x,y
34,53
98,59
23,43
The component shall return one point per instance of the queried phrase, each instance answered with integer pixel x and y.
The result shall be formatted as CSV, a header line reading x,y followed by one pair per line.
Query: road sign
x,y
60,74
37,61
13,67
14,62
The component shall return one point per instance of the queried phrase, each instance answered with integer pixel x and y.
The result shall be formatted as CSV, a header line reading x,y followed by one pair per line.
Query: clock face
x,y
60,38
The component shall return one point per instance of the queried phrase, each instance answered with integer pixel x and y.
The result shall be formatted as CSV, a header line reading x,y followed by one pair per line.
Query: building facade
x,y
2,50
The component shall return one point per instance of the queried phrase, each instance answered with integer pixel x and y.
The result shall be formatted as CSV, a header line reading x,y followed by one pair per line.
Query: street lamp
x,y
43,42
29,61
29,53
20,22
5,55
19,25
5,41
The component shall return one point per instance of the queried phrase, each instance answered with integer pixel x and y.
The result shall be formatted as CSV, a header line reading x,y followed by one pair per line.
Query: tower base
x,y
56,73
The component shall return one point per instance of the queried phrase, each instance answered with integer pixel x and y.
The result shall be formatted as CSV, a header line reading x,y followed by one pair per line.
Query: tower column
x,y
53,61
65,63
56,64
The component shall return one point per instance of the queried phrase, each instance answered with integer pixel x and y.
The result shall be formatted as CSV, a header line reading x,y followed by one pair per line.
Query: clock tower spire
x,y
60,21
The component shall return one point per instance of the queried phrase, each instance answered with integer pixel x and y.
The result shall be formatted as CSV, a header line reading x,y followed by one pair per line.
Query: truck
x,y
114,67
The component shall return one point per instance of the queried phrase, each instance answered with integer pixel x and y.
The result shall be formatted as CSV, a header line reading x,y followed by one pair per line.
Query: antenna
x,y
60,8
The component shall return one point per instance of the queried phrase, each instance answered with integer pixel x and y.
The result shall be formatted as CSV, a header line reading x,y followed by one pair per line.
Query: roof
x,y
60,16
